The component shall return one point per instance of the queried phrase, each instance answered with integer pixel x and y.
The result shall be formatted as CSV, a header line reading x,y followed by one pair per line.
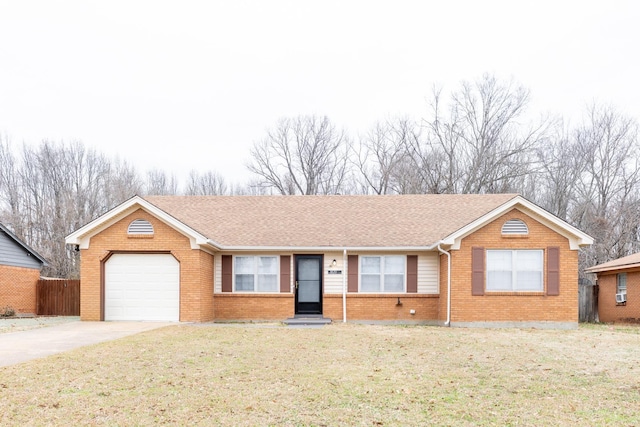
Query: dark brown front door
x,y
308,284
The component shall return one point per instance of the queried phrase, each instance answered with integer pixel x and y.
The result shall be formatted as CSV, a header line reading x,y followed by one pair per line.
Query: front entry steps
x,y
307,320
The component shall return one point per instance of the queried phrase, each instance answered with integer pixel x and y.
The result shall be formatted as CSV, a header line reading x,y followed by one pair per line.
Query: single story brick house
x,y
19,273
618,289
458,260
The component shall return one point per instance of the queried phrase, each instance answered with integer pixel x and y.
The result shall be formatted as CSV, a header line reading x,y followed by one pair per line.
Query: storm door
x,y
308,284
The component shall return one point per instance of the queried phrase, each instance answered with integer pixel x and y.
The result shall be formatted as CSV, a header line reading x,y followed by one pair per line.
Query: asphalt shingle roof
x,y
630,261
331,221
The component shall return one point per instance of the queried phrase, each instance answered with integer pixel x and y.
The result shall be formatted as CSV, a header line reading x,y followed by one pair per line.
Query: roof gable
x,y
576,237
82,236
14,251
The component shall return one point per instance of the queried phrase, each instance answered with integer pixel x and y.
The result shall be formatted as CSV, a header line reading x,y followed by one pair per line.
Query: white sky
x,y
187,85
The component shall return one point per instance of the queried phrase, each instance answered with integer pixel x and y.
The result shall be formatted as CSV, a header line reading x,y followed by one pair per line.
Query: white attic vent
x,y
140,226
515,227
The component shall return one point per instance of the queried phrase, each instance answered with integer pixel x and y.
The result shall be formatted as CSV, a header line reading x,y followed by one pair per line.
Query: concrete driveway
x,y
17,347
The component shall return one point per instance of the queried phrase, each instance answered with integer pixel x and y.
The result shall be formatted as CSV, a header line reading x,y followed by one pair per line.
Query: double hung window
x,y
256,274
515,270
621,283
382,273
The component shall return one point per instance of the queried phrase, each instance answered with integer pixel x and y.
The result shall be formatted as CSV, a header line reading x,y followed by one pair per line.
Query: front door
x,y
308,284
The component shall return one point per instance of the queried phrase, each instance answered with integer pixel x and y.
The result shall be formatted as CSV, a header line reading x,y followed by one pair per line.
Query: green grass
x,y
337,375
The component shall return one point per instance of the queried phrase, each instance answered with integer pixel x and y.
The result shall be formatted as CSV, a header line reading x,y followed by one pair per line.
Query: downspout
x,y
344,287
448,322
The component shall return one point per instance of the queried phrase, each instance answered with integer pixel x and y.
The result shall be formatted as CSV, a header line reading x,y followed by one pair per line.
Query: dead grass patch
x,y
337,375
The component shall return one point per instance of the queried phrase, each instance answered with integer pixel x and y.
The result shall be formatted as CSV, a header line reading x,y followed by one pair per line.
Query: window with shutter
x,y
514,270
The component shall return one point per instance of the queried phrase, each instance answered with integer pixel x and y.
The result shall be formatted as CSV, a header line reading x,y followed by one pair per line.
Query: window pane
x,y
528,271
394,282
528,281
244,282
370,264
267,265
499,280
499,274
268,283
370,283
529,260
394,265
244,265
499,260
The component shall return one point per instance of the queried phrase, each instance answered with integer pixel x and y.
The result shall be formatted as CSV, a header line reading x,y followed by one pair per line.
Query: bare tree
x,y
159,183
209,183
609,184
381,157
55,188
561,167
302,155
123,183
480,146
9,187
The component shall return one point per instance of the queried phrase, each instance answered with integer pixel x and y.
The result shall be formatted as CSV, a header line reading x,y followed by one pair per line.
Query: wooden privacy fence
x,y
58,297
588,303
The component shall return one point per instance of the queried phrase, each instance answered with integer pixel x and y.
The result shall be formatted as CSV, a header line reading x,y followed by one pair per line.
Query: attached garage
x,y
142,287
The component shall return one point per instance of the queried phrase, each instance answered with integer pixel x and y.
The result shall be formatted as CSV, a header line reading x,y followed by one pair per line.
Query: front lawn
x,y
337,375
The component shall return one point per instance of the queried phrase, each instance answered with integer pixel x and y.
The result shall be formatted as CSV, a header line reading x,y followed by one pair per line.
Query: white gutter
x,y
448,322
344,286
220,247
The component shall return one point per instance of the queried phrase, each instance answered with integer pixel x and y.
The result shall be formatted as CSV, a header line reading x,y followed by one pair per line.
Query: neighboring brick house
x,y
19,273
618,289
350,258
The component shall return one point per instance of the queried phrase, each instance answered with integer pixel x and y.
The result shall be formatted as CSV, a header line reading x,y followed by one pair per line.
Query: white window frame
x,y
382,274
513,269
258,285
621,285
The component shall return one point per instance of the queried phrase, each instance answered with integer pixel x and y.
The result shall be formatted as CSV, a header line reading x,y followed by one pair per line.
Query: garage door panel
x,y
142,287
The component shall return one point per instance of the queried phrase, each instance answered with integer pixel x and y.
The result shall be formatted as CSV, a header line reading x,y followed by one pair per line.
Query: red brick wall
x,y
509,306
382,307
608,309
359,307
229,306
196,267
18,288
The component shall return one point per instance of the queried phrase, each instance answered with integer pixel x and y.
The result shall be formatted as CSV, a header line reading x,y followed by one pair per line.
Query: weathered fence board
x,y
588,303
58,297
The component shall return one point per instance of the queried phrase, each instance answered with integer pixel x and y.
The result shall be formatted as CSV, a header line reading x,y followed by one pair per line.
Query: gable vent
x,y
515,226
140,226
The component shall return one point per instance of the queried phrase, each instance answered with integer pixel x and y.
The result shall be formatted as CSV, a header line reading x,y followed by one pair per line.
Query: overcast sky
x,y
181,85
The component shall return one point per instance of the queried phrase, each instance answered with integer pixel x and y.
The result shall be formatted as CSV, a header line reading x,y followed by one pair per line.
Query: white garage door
x,y
142,287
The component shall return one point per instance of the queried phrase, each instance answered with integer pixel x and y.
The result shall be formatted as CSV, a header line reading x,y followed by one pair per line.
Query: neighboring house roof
x,y
272,222
627,262
14,251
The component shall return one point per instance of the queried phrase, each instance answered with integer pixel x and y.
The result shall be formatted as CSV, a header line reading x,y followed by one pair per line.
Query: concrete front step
x,y
301,320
